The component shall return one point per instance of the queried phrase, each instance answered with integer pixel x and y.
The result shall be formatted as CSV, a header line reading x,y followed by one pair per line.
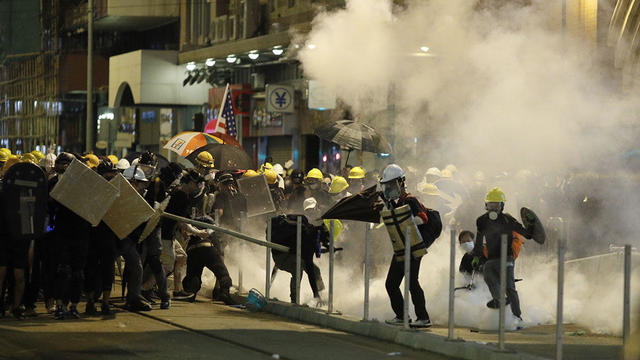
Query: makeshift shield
x,y
84,192
24,201
256,191
128,211
397,221
530,219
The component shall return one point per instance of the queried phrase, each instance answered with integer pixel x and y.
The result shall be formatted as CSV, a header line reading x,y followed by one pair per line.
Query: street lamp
x,y
210,62
254,54
277,50
191,66
231,58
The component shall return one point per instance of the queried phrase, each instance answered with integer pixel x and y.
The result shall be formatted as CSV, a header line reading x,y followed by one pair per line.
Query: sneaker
x,y
17,313
165,304
59,313
30,312
139,306
90,309
106,310
396,321
493,304
421,323
227,299
148,296
73,312
181,294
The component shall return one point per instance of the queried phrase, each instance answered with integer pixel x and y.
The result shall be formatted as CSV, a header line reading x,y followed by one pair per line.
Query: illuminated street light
x,y
254,54
191,66
210,62
424,48
231,58
311,46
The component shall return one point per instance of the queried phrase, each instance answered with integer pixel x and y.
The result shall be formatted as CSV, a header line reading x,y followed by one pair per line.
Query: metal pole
x,y
267,271
560,293
242,219
452,282
331,255
89,123
626,318
298,260
239,281
407,269
367,268
503,289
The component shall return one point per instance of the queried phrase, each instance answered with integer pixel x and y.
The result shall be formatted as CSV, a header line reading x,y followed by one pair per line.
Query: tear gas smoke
x,y
500,89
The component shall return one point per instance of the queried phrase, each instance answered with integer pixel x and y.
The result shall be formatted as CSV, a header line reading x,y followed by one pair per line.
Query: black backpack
x,y
284,232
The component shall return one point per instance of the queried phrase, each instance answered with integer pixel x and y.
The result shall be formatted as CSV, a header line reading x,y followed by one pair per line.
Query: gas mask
x,y
391,190
493,209
467,246
314,185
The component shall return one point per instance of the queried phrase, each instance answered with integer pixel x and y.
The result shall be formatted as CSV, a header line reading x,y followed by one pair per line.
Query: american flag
x,y
226,117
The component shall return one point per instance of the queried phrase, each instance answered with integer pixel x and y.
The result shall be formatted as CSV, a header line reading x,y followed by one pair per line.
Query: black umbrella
x,y
162,161
364,206
226,157
353,135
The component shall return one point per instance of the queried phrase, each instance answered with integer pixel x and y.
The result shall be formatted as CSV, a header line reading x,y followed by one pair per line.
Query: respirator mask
x,y
391,190
494,208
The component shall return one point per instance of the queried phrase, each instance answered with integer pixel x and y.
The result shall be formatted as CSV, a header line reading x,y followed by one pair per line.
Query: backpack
x,y
284,232
433,228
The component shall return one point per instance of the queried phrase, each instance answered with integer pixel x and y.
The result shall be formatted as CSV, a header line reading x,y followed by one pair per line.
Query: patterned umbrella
x,y
226,157
353,135
186,142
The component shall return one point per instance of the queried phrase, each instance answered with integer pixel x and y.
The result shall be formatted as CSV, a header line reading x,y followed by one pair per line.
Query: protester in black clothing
x,y
465,239
395,194
99,272
277,195
205,252
14,255
230,203
296,193
69,251
491,227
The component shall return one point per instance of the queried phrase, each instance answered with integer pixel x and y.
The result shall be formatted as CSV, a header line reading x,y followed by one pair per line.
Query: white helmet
x,y
123,164
391,172
139,175
278,169
433,172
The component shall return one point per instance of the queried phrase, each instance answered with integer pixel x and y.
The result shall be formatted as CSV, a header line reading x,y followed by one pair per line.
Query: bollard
x,y
367,269
298,255
407,270
560,292
267,280
503,289
452,283
626,318
331,258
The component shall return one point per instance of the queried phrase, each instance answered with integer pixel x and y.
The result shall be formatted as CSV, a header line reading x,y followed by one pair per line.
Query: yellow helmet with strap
x,y
495,195
314,174
356,173
338,184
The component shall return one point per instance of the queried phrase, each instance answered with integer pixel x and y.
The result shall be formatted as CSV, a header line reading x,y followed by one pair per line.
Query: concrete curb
x,y
415,339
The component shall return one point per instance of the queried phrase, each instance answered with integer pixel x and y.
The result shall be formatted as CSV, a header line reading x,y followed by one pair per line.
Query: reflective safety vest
x,y
397,221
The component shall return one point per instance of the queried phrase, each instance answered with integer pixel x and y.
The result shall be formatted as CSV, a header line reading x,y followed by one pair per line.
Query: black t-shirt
x,y
492,230
178,205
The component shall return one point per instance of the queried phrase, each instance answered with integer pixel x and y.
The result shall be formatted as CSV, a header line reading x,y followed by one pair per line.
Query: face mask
x,y
467,246
391,190
314,186
493,215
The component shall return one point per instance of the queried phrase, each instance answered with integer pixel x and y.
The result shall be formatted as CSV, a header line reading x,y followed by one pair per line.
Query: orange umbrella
x,y
186,142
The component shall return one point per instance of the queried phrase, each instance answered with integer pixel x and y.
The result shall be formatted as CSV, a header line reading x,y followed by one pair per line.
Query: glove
x,y
475,262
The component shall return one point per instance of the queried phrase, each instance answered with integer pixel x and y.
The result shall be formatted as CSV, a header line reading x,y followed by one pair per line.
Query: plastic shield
x,y
256,191
128,211
397,221
84,192
530,219
24,201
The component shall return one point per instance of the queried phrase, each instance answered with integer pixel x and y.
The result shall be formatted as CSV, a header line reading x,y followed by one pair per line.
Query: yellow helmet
x,y
446,173
113,158
338,184
12,161
38,154
266,166
356,173
205,159
271,176
28,157
4,156
250,173
337,227
92,160
5,150
495,195
314,174
430,189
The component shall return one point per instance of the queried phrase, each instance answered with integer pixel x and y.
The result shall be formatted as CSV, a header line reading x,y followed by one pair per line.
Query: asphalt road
x,y
188,331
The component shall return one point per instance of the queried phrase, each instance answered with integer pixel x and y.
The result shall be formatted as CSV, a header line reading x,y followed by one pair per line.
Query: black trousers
x,y
394,278
71,256
152,250
101,257
197,260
